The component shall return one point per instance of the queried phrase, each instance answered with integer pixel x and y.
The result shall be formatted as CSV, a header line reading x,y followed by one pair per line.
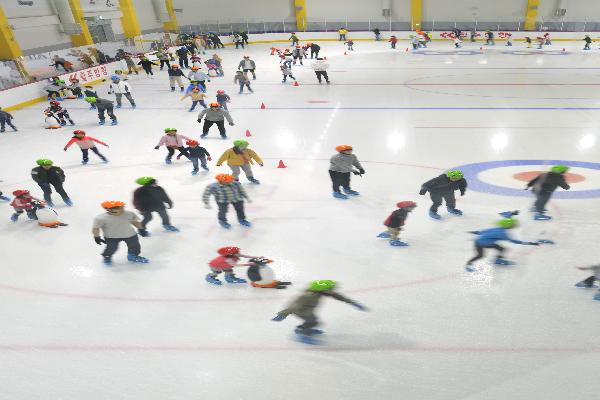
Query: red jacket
x,y
85,142
223,262
24,203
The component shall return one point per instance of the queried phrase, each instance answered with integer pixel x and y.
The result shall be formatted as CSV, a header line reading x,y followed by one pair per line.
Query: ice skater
x,y
46,175
86,143
103,106
242,80
58,112
227,260
227,191
197,97
443,188
488,238
350,44
116,225
286,71
298,54
25,202
175,76
6,119
590,282
147,66
172,141
197,154
544,185
320,67
223,98
305,305
395,221
248,65
214,115
341,165
588,42
240,157
149,198
121,88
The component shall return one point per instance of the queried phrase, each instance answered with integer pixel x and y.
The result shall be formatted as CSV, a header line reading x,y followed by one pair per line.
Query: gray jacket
x,y
344,163
198,76
215,114
244,66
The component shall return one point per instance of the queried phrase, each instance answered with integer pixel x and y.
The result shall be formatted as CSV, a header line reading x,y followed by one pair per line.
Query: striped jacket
x,y
225,193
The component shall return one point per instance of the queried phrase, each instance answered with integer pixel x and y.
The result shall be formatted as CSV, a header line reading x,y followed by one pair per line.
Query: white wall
x,y
196,11
576,9
490,10
147,16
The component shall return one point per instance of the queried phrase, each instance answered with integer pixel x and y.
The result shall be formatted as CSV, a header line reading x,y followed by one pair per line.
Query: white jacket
x,y
320,65
121,87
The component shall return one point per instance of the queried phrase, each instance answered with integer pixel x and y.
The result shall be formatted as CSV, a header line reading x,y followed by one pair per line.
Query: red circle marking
x,y
526,176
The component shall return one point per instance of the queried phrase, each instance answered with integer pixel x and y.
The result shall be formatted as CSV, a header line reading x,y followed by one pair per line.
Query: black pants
x,y
479,250
239,210
182,150
147,214
310,321
340,179
163,63
77,91
183,62
7,122
237,44
393,45
298,58
322,74
542,199
112,244
47,189
590,281
314,53
195,160
109,111
84,152
219,45
251,71
285,77
437,197
62,116
342,37
208,124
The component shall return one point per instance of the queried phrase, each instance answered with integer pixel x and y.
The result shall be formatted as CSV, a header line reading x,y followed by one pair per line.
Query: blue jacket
x,y
491,236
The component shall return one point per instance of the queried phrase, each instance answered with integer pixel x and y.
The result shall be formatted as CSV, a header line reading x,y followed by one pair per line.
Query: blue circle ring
x,y
471,172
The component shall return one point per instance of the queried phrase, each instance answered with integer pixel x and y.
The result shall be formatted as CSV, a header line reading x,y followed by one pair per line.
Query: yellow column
x,y
129,20
9,47
300,12
172,24
84,38
531,15
416,14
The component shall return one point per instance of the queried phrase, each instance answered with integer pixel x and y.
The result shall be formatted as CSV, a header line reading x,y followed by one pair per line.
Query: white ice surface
x,y
72,329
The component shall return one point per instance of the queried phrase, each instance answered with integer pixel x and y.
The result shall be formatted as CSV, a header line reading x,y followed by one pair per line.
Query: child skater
x,y
86,143
350,43
197,98
227,260
286,71
395,222
197,153
223,98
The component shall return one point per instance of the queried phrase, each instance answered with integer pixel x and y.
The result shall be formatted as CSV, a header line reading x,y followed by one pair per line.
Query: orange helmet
x,y
215,105
228,251
112,204
224,178
343,147
195,68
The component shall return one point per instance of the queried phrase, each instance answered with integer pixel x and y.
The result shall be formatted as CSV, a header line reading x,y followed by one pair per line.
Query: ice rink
x,y
73,329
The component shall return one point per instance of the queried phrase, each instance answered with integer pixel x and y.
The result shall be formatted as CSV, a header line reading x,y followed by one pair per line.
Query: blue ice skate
x,y
225,224
254,180
137,259
204,167
351,192
234,279
398,243
584,285
69,202
339,195
245,223
597,296
4,198
133,106
434,215
213,280
168,161
307,339
118,106
311,331
502,261
545,241
114,122
195,172
469,268
384,235
84,162
14,217
107,261
62,123
101,122
171,228
541,217
454,211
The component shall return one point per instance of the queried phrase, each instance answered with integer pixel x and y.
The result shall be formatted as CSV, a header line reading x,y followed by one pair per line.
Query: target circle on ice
x,y
508,177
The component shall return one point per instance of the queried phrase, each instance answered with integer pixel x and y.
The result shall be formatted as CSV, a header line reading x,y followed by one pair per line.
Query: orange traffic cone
x,y
262,106
281,164
345,53
296,83
324,58
481,48
563,49
406,49
248,134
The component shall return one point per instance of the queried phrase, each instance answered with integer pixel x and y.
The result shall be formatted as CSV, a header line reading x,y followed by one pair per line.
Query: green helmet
x,y
508,223
240,143
559,169
90,99
454,175
145,180
44,161
321,286
167,130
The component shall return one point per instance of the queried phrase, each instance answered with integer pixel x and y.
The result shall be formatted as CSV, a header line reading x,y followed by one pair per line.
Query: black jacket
x,y
396,218
4,116
443,184
175,72
197,152
548,182
53,175
182,52
150,197
147,64
90,93
315,47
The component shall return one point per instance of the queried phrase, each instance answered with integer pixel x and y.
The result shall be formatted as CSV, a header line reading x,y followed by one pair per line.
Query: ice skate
x,y
351,192
541,217
434,215
195,172
225,224
84,162
69,202
454,211
204,168
254,180
245,223
114,122
137,259
171,228
339,195
107,261
502,261
4,198
234,279
213,280
168,161
597,296
14,217
469,268
306,339
398,243
585,285
384,235
101,122
311,331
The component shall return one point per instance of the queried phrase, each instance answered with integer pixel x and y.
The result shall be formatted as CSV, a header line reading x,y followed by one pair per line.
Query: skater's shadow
x,y
378,341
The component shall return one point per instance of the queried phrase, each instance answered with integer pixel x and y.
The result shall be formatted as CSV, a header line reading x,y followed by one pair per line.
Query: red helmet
x,y
220,91
79,132
406,204
20,192
54,102
192,142
228,251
